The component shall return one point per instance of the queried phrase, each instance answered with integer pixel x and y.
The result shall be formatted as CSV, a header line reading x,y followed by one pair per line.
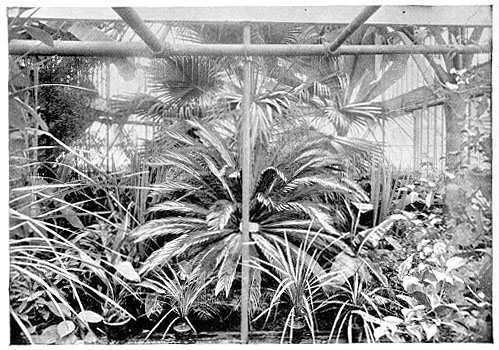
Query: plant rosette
x,y
114,315
116,324
117,319
298,323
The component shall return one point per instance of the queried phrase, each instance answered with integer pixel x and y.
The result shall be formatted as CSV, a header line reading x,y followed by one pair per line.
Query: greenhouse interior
x,y
205,175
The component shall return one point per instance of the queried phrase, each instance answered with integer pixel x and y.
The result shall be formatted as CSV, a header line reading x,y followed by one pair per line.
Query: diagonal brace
x,y
132,18
361,18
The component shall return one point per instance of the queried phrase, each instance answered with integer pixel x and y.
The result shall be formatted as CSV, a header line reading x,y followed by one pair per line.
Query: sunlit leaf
x,y
49,335
405,266
454,263
88,32
409,281
126,269
90,316
65,327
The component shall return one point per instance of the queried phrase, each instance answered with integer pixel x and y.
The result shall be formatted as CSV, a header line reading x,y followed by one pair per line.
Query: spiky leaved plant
x,y
181,287
357,308
303,285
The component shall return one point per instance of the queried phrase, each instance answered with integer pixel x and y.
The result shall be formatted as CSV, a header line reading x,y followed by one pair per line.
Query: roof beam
x,y
132,49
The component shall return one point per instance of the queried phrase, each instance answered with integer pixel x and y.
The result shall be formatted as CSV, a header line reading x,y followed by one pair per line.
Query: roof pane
x,y
397,15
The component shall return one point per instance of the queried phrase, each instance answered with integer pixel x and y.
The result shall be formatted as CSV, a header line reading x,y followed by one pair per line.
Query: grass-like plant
x,y
49,271
53,267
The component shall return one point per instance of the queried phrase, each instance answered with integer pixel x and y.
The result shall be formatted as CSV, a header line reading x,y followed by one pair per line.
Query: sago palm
x,y
298,186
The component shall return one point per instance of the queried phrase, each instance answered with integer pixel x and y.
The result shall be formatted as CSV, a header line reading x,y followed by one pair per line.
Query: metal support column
x,y
246,170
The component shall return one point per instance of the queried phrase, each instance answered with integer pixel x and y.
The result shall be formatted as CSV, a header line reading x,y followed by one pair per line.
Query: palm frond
x,y
179,246
179,80
179,207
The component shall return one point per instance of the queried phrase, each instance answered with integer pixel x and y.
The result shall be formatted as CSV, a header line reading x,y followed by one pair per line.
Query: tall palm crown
x,y
211,87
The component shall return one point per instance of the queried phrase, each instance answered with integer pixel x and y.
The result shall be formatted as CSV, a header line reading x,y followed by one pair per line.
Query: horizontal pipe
x,y
134,49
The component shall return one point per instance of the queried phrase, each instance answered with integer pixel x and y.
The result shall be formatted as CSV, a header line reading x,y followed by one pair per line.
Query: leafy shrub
x,y
446,288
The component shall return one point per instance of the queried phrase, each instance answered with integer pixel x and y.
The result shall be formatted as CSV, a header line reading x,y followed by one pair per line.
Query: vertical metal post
x,y
427,114
443,153
383,136
421,137
468,146
415,141
246,171
108,121
435,131
36,82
